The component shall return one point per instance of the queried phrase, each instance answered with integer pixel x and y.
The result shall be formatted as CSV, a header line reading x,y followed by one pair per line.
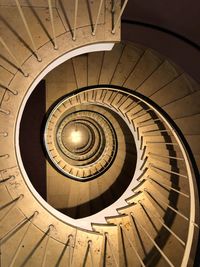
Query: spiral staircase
x,y
120,142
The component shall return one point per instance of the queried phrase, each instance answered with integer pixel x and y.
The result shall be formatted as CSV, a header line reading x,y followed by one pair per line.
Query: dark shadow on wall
x,y
30,139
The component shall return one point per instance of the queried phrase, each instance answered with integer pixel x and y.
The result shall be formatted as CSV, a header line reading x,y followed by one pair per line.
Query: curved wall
x,y
178,16
171,28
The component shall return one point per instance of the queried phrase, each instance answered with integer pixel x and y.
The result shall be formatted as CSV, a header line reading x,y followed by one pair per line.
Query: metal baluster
x,y
103,252
169,187
166,171
114,5
119,17
14,92
141,115
122,254
132,246
126,98
4,156
7,179
22,239
147,120
152,240
143,152
28,30
91,252
18,65
66,246
156,130
98,16
130,106
13,230
130,112
50,228
167,157
75,20
148,133
73,247
163,224
111,103
143,166
149,194
85,256
70,237
6,112
160,143
111,250
142,143
4,134
52,24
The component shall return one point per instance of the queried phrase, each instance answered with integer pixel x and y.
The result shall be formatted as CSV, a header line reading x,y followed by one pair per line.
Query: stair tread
x,y
147,64
190,104
127,62
110,62
164,75
175,90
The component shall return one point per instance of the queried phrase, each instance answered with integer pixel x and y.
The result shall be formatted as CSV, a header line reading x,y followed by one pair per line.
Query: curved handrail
x,y
192,222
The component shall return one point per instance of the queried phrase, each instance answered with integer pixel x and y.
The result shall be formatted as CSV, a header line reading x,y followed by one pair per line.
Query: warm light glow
x,y
76,136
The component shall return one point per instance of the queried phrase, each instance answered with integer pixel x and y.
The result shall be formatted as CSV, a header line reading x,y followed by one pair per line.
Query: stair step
x,y
137,195
169,178
6,76
110,62
109,96
58,254
80,69
126,209
173,152
143,117
159,138
190,104
94,67
178,162
153,187
117,219
134,111
173,91
162,76
139,116
111,248
148,63
189,125
88,248
128,60
34,242
159,233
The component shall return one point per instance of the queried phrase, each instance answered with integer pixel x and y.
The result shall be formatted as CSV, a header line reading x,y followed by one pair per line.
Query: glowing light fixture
x,y
76,136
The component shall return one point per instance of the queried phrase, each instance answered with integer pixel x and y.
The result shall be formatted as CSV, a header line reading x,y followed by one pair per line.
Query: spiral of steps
x,y
83,139
119,133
